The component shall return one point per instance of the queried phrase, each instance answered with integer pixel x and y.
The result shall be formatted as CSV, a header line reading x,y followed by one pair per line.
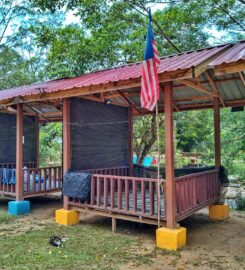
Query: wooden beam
x,y
103,213
113,224
130,103
194,98
242,78
191,107
217,144
175,106
66,142
217,81
203,66
130,140
19,153
36,111
230,68
169,157
197,86
91,97
214,86
37,140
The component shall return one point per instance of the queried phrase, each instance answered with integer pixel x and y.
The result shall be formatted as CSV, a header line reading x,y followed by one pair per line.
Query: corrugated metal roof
x,y
229,86
234,54
180,61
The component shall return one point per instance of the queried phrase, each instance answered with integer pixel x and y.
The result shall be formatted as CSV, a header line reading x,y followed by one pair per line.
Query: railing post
x,y
130,140
19,153
66,142
169,156
37,140
217,144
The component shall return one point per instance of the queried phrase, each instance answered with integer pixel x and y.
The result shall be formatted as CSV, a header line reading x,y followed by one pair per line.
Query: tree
x,y
145,135
22,60
14,69
50,143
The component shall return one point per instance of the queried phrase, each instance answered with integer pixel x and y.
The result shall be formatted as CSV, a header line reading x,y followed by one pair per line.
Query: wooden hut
x,y
97,110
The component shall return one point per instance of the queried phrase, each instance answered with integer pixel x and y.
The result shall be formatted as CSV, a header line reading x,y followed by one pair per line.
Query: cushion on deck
x,y
77,185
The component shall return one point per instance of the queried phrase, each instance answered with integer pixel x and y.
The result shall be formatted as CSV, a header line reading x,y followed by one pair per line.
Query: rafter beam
x,y
214,86
91,97
37,111
242,78
130,103
194,98
197,86
191,107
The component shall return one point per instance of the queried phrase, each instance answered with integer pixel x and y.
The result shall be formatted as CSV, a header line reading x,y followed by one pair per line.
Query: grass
x,y
5,218
87,247
240,259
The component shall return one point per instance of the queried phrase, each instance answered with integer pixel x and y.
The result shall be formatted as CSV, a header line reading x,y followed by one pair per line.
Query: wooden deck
x,y
136,198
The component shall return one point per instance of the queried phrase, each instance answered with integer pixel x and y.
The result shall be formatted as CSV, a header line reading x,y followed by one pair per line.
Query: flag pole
x,y
158,171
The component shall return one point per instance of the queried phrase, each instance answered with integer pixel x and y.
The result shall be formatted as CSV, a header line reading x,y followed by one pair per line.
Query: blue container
x,y
147,161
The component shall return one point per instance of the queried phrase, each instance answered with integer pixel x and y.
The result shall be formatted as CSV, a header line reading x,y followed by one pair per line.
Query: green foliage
x,y
195,133
240,200
233,136
145,136
14,70
22,61
193,128
50,144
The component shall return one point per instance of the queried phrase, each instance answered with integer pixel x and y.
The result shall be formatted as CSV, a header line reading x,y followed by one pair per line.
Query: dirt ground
x,y
211,245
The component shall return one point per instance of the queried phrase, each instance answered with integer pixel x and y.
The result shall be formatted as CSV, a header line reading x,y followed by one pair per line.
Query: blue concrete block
x,y
17,208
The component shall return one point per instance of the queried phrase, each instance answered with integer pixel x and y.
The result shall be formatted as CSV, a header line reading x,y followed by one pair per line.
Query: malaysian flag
x,y
149,82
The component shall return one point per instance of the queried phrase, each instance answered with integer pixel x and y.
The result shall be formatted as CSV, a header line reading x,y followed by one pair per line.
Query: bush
x,y
240,202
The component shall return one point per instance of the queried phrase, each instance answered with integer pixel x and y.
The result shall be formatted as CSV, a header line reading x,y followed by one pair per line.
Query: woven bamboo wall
x,y
8,139
99,135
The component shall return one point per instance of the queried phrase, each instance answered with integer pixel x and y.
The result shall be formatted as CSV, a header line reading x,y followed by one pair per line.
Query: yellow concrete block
x,y
171,239
219,212
66,217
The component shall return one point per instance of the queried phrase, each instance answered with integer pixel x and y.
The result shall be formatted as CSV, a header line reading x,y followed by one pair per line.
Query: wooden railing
x,y
42,180
119,171
195,191
13,165
35,180
8,187
125,195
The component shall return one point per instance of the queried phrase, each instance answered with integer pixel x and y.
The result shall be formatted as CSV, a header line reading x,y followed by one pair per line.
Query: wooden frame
x,y
66,141
19,153
217,144
169,156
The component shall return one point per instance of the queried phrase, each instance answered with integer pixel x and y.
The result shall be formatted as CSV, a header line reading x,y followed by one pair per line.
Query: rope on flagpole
x,y
158,171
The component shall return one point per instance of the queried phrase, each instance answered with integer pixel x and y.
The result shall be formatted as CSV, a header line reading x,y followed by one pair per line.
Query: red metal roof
x,y
234,54
180,61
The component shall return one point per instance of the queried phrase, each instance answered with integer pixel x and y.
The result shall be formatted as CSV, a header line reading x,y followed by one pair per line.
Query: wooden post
x,y
114,224
217,144
130,140
37,140
19,153
169,156
66,142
